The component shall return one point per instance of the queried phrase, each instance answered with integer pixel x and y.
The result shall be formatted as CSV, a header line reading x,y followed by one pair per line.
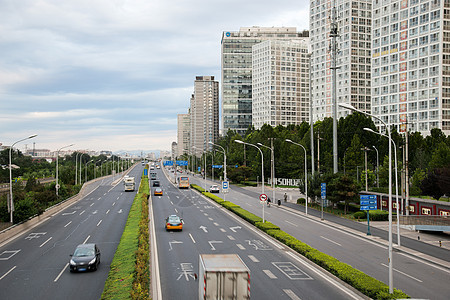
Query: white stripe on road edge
x,y
291,294
403,273
291,223
270,274
60,273
86,239
331,241
4,275
45,242
107,211
254,259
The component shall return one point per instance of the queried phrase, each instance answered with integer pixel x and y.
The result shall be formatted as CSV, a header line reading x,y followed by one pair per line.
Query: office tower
x,y
410,62
237,72
353,57
183,133
204,113
280,82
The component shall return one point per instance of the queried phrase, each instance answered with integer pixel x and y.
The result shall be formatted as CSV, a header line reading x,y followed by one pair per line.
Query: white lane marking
x,y
107,211
204,228
270,274
91,204
214,242
99,222
331,241
176,210
65,214
99,198
211,219
10,270
291,223
118,198
234,228
67,224
114,203
60,273
105,193
45,242
424,262
403,273
205,214
171,202
291,294
253,258
240,246
231,237
86,239
267,213
248,204
192,238
82,212
215,223
223,230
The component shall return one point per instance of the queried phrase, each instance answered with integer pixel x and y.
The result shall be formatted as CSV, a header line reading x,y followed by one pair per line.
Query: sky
x,y
114,74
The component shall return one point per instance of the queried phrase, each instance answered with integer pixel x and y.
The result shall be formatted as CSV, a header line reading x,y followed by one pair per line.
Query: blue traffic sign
x,y
367,197
225,185
323,190
168,163
182,162
217,166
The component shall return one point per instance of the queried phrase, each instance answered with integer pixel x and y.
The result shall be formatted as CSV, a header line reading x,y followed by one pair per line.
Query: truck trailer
x,y
223,277
128,183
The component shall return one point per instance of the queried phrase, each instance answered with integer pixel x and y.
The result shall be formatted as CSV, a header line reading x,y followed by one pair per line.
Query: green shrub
x,y
198,188
228,205
213,197
250,183
248,216
378,215
301,201
266,226
360,215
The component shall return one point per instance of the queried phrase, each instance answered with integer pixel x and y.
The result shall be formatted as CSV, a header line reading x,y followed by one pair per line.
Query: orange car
x,y
158,192
174,222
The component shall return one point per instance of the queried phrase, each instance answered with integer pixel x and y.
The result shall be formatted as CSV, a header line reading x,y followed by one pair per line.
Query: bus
x,y
183,182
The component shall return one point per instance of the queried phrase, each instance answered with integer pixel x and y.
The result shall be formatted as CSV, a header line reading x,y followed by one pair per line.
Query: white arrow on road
x,y
174,242
214,242
204,228
234,228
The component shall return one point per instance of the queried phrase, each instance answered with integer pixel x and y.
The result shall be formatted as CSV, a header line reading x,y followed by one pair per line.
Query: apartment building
x,y
204,113
353,74
183,133
236,66
410,63
280,82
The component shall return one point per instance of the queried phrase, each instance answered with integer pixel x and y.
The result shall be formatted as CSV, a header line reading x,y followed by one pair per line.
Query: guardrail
x,y
425,220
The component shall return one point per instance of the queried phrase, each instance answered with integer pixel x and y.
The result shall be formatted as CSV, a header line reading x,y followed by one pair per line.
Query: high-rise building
x,y
204,113
280,82
353,72
237,72
410,63
183,133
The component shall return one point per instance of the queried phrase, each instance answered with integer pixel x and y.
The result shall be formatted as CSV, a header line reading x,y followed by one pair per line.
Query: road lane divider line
x,y
114,203
99,222
176,210
223,230
91,205
10,270
425,262
231,238
253,259
211,219
403,273
240,246
331,241
60,273
45,242
67,224
290,223
82,212
99,198
118,198
270,274
86,239
107,211
291,294
192,238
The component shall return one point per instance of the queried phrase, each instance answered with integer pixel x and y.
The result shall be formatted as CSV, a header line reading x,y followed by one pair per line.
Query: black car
x,y
85,257
156,183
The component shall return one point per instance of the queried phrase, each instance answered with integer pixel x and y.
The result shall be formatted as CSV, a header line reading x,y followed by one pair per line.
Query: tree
x,y
436,183
342,189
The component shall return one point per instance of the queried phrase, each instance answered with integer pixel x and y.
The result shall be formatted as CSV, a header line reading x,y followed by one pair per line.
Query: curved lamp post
x,y
306,174
57,164
388,129
272,160
11,205
396,180
262,168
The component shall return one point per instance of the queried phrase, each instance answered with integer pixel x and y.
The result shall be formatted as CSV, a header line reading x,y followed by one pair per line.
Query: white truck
x,y
223,277
128,183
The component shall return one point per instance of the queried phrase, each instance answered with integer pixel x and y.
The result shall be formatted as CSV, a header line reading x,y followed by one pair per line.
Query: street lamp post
x,y
79,182
11,202
224,161
378,168
396,182
76,168
85,170
272,167
306,174
262,169
348,106
57,156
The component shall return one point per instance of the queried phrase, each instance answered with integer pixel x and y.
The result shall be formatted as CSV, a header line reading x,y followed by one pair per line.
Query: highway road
x,y
276,271
415,276
35,264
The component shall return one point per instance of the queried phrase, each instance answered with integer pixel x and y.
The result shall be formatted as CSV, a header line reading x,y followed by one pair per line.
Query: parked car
x,y
85,257
214,189
156,183
158,192
174,222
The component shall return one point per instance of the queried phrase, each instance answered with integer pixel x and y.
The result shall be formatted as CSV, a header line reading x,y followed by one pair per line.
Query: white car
x,y
214,189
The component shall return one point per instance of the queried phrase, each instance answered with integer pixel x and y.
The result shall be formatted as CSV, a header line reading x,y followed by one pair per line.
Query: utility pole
x,y
311,121
318,152
334,34
406,171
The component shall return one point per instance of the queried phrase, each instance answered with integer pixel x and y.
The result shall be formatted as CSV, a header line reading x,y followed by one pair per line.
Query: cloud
x,y
77,71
